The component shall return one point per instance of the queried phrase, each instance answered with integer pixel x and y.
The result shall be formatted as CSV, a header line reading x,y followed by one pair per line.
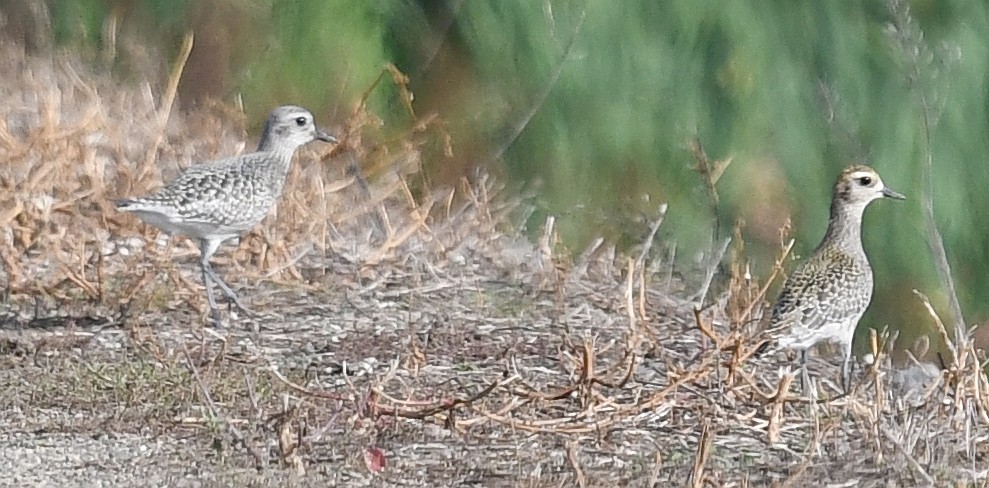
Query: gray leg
x,y
225,289
804,373
206,249
846,367
214,314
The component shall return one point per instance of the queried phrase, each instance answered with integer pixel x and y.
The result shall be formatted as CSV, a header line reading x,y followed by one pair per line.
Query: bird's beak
x,y
325,136
892,194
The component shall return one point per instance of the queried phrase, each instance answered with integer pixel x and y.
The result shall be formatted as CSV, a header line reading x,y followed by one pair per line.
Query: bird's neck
x,y
277,160
281,154
845,226
268,144
268,136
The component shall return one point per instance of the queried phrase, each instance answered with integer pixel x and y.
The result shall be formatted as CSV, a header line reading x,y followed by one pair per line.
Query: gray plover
x,y
222,199
826,295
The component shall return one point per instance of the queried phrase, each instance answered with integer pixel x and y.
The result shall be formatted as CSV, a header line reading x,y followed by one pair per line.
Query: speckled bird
x,y
219,200
826,295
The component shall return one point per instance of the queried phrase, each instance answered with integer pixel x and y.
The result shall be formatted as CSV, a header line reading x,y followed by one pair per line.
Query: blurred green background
x,y
791,92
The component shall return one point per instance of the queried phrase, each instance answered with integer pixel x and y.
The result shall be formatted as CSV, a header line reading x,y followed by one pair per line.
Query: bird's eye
x,y
300,121
865,181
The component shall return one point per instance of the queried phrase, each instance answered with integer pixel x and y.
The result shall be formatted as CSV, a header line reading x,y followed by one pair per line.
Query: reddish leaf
x,y
375,460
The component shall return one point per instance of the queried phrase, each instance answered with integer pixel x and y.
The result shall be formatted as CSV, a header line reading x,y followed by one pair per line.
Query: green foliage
x,y
319,52
792,92
79,21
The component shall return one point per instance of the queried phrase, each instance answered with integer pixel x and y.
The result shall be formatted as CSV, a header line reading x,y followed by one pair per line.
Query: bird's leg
x,y
206,248
207,282
226,289
804,373
846,367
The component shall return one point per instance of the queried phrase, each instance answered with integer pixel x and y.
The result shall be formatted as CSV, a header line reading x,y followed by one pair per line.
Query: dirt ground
x,y
457,374
403,336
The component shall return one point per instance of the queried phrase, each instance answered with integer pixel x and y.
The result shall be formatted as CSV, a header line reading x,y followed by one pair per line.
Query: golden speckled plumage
x,y
826,295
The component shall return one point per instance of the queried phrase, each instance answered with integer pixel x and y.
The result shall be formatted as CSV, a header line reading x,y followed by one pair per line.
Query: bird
x,y
219,200
827,294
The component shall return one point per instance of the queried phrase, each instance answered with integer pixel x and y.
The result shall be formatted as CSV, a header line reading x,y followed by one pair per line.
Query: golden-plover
x,y
222,199
826,295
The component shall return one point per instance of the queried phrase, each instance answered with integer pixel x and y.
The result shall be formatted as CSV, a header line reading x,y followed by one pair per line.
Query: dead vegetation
x,y
409,337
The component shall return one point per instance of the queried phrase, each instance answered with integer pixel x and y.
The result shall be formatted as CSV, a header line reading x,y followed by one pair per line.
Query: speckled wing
x,y
223,196
829,288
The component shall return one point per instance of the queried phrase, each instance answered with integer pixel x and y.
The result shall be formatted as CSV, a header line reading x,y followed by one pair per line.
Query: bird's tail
x,y
126,204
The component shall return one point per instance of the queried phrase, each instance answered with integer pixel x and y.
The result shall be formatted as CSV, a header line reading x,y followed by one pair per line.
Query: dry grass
x,y
408,338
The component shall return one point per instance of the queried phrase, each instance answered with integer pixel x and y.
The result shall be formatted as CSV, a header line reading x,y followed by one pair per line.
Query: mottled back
x,y
826,295
227,197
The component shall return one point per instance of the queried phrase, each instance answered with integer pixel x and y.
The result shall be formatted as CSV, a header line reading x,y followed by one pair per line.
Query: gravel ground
x,y
103,399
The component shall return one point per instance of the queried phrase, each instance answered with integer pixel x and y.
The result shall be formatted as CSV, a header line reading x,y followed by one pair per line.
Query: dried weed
x,y
414,336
